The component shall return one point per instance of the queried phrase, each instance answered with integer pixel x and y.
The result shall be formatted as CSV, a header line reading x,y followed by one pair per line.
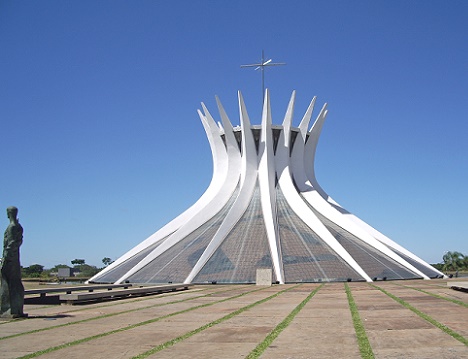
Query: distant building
x,y
64,272
265,209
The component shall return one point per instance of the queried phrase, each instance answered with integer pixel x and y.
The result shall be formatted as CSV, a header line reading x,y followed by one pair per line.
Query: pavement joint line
x,y
97,336
363,341
106,315
424,316
459,302
209,325
260,348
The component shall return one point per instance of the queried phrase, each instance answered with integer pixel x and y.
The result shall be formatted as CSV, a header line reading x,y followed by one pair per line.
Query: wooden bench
x,y
75,298
90,288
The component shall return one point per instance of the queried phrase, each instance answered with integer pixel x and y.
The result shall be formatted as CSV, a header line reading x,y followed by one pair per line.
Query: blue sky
x,y
102,145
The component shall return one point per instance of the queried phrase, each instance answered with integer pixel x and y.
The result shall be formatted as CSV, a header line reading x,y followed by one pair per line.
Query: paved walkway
x,y
401,319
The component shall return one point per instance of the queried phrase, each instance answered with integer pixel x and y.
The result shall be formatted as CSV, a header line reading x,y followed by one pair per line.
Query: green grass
x,y
280,327
87,339
364,346
206,326
424,316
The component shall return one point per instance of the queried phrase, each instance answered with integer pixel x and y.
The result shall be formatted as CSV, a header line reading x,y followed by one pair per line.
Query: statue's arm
x,y
12,242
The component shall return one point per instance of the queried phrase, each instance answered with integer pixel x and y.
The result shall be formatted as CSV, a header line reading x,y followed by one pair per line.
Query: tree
x,y
85,270
33,271
453,261
465,262
106,261
438,266
78,262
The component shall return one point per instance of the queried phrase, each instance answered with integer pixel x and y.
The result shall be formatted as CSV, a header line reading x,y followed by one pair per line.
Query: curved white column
x,y
311,148
297,155
387,241
325,209
247,185
326,206
295,201
317,201
291,167
212,207
267,179
220,173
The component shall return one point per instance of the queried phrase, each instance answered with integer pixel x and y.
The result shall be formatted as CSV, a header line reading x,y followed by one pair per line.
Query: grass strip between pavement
x,y
209,325
109,314
424,316
97,336
364,346
459,302
280,327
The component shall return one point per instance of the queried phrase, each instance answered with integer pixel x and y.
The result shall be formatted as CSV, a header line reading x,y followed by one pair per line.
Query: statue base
x,y
13,316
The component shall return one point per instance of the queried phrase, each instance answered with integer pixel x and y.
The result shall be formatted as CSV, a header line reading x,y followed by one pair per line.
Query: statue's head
x,y
12,212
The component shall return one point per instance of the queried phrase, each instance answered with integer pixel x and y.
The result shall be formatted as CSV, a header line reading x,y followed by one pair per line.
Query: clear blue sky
x,y
95,95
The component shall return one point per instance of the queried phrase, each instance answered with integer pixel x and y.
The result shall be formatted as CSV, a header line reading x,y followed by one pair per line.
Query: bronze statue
x,y
12,290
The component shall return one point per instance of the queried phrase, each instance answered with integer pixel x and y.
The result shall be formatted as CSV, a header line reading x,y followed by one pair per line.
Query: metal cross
x,y
262,66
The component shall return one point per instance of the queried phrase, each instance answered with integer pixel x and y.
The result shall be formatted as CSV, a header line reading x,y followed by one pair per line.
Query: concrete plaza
x,y
402,319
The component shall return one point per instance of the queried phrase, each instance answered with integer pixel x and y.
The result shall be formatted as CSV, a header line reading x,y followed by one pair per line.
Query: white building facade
x,y
265,209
